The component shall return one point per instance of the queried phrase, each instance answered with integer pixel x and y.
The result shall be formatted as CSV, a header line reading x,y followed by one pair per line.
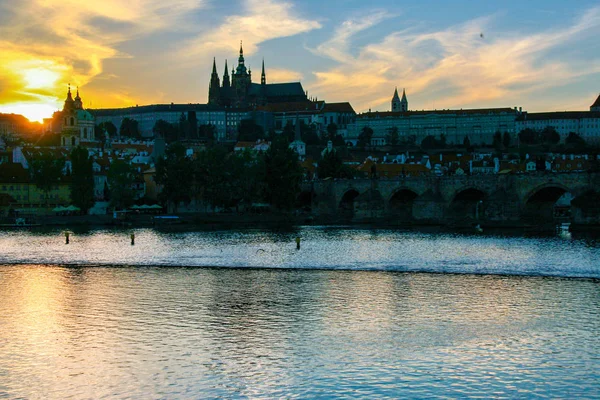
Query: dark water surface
x,y
129,327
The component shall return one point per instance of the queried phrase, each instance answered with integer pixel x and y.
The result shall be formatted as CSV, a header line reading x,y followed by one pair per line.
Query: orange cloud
x,y
50,43
456,67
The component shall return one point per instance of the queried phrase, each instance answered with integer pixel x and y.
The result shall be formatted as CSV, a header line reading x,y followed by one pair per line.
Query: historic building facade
x,y
479,125
239,91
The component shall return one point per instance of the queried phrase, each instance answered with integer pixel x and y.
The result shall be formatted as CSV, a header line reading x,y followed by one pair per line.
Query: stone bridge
x,y
529,198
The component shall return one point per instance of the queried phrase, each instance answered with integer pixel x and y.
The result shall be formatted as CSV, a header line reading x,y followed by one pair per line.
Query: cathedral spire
x,y
214,92
226,81
404,102
241,58
396,101
263,76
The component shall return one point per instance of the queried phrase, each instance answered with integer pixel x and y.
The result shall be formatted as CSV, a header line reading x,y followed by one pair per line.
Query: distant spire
x,y
241,49
403,94
214,71
263,76
396,94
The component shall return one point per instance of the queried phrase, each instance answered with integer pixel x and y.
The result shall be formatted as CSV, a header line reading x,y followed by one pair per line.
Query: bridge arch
x,y
346,205
400,203
468,203
540,204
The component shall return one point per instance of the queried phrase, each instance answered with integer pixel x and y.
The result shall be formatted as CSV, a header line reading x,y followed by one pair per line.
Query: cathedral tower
x,y
241,81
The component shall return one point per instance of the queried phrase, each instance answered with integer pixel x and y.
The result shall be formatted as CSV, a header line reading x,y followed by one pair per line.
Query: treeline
x,y
48,171
227,180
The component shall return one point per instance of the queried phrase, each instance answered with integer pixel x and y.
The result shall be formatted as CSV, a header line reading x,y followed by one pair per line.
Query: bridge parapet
x,y
496,197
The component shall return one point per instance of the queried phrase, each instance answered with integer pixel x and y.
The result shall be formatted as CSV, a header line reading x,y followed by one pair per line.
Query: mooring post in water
x,y
66,237
132,239
297,242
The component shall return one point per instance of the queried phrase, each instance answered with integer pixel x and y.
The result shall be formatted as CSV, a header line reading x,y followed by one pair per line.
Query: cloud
x,y
457,66
338,47
264,20
278,75
49,43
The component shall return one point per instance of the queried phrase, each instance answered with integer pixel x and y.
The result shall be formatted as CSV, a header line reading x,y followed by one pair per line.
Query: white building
x,y
584,123
479,125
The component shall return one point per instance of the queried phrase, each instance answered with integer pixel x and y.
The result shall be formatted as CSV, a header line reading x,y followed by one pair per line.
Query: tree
x,y
331,131
82,179
309,134
497,140
173,172
208,132
331,166
247,177
575,140
364,137
466,142
429,142
165,130
120,181
129,128
46,173
549,135
528,136
506,140
183,127
289,131
283,175
105,128
250,131
393,137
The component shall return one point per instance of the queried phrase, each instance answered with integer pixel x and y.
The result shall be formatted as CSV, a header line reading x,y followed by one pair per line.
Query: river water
x,y
352,314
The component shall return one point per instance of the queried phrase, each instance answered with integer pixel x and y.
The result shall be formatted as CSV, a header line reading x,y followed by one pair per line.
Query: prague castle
x,y
239,91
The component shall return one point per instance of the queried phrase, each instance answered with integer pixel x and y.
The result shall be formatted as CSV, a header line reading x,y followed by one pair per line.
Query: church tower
x,y
396,106
77,124
214,88
404,102
78,104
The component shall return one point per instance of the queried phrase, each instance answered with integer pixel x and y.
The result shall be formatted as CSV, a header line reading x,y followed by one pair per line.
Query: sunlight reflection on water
x,y
152,332
322,248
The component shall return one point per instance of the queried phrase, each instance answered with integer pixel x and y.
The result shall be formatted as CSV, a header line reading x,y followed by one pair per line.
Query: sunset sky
x,y
540,55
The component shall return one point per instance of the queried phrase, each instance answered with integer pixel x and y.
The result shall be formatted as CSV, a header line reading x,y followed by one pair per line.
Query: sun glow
x,y
40,78
33,112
